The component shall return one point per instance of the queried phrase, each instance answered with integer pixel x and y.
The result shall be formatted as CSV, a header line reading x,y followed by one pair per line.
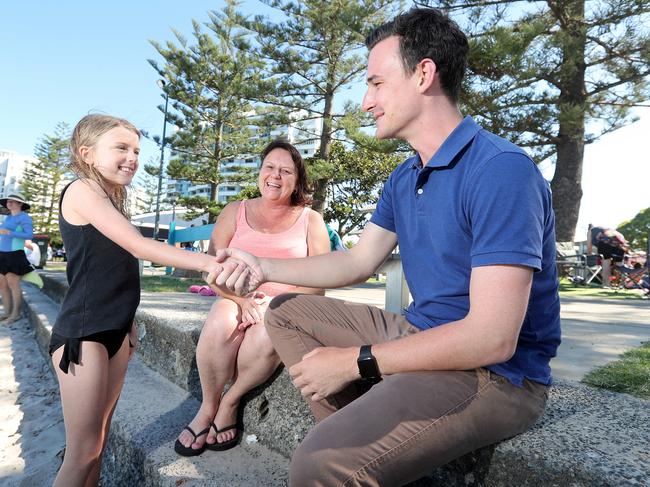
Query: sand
x,y
32,436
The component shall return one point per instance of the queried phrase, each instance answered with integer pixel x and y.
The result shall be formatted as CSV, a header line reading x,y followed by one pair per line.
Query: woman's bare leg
x,y
6,297
13,281
216,354
256,362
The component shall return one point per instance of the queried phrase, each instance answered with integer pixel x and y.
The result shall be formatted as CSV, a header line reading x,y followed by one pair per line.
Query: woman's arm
x,y
85,202
318,242
26,232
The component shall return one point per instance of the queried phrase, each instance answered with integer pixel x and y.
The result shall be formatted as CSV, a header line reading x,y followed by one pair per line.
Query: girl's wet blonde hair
x,y
86,133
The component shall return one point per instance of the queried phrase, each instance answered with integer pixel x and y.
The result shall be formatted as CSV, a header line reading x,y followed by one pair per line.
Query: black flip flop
x,y
226,445
188,451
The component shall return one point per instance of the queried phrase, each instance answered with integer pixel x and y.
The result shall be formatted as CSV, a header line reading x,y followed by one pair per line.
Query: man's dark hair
x,y
300,195
427,33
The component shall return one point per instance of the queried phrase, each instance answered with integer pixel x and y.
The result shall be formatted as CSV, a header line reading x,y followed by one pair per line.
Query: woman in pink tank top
x,y
234,345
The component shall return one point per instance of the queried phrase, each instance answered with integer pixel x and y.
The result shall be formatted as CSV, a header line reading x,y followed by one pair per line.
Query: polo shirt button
x,y
420,191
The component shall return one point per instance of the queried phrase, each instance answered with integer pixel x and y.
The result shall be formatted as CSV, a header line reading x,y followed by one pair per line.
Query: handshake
x,y
236,271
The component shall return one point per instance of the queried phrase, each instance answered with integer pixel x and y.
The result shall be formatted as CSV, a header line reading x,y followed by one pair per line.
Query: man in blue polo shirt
x,y
467,364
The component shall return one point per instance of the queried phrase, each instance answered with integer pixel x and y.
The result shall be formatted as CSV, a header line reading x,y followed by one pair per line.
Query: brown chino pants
x,y
406,425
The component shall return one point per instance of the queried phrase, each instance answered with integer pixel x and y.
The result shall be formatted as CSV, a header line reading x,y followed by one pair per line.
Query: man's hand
x,y
241,273
4,231
325,371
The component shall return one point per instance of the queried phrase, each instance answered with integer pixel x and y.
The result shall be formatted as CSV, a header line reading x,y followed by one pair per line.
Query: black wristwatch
x,y
368,369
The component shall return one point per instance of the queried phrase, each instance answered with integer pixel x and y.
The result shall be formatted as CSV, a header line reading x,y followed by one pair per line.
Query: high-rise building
x,y
304,134
12,168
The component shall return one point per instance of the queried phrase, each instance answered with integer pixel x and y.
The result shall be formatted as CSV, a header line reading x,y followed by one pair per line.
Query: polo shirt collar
x,y
453,144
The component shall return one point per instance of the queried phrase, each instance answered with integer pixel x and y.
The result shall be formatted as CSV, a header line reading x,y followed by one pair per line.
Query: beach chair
x,y
591,269
567,259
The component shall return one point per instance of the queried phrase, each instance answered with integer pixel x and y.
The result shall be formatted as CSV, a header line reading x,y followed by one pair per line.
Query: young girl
x,y
94,334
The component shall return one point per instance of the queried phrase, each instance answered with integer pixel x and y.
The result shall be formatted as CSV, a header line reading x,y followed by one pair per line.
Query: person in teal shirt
x,y
14,230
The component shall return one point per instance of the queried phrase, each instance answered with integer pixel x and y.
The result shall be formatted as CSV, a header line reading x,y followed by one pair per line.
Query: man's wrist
x,y
368,366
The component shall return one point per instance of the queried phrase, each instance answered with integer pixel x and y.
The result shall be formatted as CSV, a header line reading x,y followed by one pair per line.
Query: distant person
x,y
14,230
611,244
95,333
50,252
467,364
234,345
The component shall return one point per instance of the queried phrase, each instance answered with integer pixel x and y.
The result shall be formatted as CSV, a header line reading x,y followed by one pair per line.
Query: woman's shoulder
x,y
230,210
314,216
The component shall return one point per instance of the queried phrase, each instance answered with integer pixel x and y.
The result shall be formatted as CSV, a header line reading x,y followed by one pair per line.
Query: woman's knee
x,y
221,321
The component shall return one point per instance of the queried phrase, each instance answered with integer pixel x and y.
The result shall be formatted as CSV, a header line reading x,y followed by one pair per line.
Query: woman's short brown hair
x,y
301,195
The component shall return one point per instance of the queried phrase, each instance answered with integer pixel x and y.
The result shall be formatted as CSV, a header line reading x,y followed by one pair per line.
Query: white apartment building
x,y
12,168
304,134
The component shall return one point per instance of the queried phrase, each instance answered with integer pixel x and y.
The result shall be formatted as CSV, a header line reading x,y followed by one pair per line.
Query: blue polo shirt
x,y
479,201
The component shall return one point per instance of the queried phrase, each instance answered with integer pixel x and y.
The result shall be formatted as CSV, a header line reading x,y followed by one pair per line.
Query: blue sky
x,y
61,59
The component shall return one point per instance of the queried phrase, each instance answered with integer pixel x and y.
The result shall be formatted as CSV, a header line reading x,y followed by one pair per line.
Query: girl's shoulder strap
x,y
63,192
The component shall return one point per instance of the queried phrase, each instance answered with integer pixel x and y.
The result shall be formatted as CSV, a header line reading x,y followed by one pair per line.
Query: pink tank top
x,y
284,245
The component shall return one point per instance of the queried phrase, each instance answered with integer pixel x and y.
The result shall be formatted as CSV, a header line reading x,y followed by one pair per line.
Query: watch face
x,y
368,368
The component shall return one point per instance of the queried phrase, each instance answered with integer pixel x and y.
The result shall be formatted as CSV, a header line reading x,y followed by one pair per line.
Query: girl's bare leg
x,y
116,372
88,393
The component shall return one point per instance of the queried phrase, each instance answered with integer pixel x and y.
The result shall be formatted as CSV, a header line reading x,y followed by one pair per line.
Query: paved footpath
x,y
597,331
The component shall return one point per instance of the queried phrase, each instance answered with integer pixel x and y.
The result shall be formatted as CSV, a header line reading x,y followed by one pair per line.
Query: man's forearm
x,y
454,346
336,269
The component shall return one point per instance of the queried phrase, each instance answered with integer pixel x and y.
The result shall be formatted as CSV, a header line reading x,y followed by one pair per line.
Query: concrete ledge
x,y
587,437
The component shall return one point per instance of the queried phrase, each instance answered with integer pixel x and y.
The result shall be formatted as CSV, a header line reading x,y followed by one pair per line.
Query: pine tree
x,y
45,178
358,174
209,84
555,75
315,54
637,230
147,186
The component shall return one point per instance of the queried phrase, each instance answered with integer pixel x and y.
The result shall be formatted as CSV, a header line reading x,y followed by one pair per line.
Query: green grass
x,y
167,284
569,289
630,374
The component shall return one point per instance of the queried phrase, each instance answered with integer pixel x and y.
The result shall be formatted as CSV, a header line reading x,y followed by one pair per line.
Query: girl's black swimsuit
x,y
103,292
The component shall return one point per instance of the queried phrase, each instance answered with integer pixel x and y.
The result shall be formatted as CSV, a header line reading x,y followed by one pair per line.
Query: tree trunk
x,y
566,187
218,134
566,184
320,185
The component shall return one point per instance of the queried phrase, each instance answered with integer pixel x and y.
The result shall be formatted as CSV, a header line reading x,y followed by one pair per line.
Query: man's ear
x,y
427,73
